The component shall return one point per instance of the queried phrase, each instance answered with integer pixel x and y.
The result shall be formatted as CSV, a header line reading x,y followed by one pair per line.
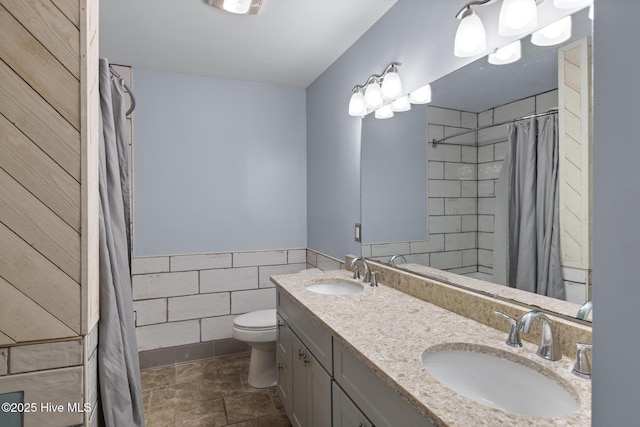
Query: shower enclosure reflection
x,y
465,230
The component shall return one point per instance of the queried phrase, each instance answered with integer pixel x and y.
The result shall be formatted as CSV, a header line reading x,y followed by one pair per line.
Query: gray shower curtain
x,y
533,242
118,365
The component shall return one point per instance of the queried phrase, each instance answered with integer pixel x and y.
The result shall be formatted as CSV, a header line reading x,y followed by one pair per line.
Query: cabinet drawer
x,y
284,342
382,405
315,337
345,412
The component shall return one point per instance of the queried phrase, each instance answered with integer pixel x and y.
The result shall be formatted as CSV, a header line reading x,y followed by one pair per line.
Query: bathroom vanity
x,y
356,359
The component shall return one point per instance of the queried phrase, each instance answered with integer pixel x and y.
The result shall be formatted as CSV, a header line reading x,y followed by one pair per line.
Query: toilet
x,y
258,329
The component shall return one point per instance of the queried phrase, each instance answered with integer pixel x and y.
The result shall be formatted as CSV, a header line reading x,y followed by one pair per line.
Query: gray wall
x,y
420,35
616,290
220,165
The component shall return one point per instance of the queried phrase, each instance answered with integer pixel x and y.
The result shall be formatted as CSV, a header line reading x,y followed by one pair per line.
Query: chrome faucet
x,y
549,339
582,367
585,310
513,339
356,272
392,260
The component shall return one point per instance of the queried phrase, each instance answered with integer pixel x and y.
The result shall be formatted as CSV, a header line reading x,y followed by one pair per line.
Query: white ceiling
x,y
289,43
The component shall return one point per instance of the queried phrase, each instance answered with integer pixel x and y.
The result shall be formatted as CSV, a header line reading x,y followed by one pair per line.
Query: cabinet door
x,y
284,342
284,386
345,412
298,384
318,394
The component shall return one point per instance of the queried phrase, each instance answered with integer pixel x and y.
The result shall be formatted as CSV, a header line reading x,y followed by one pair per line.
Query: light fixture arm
x,y
377,77
466,9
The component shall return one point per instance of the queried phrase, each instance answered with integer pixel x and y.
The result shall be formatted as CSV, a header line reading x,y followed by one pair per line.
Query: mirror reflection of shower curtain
x,y
533,232
118,365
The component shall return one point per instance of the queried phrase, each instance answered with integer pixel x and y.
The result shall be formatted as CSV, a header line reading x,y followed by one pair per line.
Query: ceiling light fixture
x,y
517,17
552,34
238,7
506,55
471,38
378,89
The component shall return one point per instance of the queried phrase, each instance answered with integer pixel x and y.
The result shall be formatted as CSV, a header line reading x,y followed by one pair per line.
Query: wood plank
x,y
39,174
71,9
5,340
40,69
39,279
16,307
39,226
51,27
39,121
90,144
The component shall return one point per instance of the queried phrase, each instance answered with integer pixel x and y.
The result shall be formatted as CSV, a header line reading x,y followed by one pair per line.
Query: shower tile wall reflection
x,y
462,179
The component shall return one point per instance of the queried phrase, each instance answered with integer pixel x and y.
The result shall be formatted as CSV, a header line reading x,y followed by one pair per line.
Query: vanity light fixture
x,y
357,104
471,38
506,55
421,95
373,94
552,34
570,4
391,84
384,112
517,17
401,104
238,7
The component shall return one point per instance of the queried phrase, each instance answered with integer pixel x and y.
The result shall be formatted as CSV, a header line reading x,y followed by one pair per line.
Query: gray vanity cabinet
x,y
345,412
311,389
304,357
383,406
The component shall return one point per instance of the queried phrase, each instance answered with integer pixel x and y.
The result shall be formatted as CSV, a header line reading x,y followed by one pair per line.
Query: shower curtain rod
x,y
435,142
127,88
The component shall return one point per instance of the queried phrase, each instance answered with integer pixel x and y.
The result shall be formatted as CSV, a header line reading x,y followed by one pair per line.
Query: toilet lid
x,y
262,319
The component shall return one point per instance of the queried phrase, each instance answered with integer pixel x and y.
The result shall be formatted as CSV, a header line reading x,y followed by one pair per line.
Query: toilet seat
x,y
261,320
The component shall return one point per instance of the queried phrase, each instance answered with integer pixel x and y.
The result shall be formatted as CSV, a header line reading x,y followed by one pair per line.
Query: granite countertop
x,y
389,330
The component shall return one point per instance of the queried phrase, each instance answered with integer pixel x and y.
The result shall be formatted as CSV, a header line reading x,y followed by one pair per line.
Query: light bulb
x,y
384,112
506,55
373,95
555,33
357,106
421,95
237,6
517,17
401,104
391,85
471,38
571,4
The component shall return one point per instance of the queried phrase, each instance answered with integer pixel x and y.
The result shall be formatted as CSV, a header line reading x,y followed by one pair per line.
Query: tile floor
x,y
209,393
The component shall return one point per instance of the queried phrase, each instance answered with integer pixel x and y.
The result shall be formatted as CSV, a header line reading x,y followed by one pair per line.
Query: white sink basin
x,y
335,287
500,383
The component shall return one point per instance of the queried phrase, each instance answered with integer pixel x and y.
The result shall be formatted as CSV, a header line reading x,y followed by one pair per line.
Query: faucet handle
x,y
356,272
374,278
582,367
513,339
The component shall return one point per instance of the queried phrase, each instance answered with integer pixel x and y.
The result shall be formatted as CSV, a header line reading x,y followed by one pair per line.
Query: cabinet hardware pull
x,y
300,354
279,366
306,361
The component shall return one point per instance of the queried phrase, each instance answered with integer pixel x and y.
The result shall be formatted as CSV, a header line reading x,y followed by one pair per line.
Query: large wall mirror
x,y
461,182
